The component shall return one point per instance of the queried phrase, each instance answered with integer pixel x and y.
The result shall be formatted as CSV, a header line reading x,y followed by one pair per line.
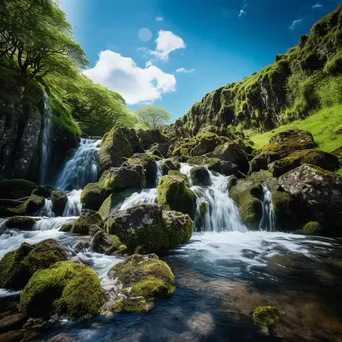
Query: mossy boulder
x,y
325,160
146,228
124,177
167,165
93,196
149,166
149,137
59,199
311,228
206,143
248,195
21,222
66,288
17,267
30,207
184,147
118,144
266,315
200,176
107,244
16,188
143,278
201,213
261,161
175,194
85,221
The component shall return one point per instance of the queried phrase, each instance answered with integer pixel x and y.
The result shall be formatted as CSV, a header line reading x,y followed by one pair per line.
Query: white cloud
x,y
318,5
294,24
185,71
148,64
160,18
242,11
166,43
135,84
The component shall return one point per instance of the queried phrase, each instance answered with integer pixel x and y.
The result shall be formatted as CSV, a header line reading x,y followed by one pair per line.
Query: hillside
x,y
299,82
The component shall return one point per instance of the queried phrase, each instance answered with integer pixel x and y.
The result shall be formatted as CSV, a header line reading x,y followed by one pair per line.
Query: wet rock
x,y
21,222
93,196
62,337
85,221
42,191
12,322
17,267
266,315
59,200
11,336
167,165
200,176
107,244
81,246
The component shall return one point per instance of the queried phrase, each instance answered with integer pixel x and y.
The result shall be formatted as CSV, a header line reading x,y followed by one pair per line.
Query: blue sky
x,y
172,53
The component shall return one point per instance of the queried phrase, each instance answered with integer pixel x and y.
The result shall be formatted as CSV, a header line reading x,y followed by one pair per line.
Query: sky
x,y
173,52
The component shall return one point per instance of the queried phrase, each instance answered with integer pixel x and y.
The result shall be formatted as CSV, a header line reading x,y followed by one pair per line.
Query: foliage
x,y
266,315
152,117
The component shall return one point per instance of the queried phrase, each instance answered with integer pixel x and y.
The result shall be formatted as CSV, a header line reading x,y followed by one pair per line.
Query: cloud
x,y
242,11
318,5
160,18
294,24
166,43
135,84
185,71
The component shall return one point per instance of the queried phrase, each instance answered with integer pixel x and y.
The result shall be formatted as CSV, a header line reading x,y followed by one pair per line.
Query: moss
x,y
16,188
168,165
174,194
85,221
136,304
311,228
66,228
266,315
148,163
29,207
17,267
66,288
93,196
184,147
21,222
202,211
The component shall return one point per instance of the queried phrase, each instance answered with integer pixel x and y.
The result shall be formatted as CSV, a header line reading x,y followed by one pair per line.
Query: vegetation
x,y
152,117
266,315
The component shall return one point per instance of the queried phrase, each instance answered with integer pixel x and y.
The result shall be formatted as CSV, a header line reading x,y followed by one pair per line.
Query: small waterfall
x,y
46,211
159,172
53,223
82,168
146,196
269,220
73,207
46,142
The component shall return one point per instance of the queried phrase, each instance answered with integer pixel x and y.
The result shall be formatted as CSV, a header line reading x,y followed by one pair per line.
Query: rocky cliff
x,y
307,77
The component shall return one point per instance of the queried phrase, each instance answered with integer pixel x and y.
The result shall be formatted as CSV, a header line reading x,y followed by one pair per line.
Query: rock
x,y
147,228
325,160
318,194
162,148
106,243
42,191
261,161
149,137
66,288
174,193
202,211
200,176
93,196
206,143
85,221
12,322
167,165
17,267
149,166
287,142
248,195
265,315
59,200
183,147
233,152
143,278
118,144
21,222
66,227
11,336
311,228
124,177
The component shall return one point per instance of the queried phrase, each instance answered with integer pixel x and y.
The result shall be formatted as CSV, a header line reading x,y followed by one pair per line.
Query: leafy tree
x,y
37,37
151,117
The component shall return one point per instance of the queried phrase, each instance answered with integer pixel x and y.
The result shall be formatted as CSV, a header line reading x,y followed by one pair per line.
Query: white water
x,y
46,211
82,168
146,196
73,206
46,142
268,221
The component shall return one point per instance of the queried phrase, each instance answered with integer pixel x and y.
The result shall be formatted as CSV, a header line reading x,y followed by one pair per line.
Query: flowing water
x,y
269,220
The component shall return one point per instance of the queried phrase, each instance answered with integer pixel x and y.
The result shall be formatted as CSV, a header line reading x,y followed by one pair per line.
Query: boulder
x,y
30,207
206,143
118,144
17,267
21,222
261,161
183,147
174,193
16,188
147,228
200,176
149,137
142,278
107,244
233,152
167,165
162,148
85,221
93,196
318,194
311,228
59,199
325,160
66,288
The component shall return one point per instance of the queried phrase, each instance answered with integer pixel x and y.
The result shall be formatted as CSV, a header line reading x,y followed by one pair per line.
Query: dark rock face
x,y
149,137
59,200
200,176
261,161
318,192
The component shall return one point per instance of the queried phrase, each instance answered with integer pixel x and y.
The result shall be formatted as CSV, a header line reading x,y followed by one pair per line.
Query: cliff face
x,y
304,79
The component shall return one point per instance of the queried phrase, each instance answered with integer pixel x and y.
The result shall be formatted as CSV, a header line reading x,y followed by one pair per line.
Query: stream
x,y
222,274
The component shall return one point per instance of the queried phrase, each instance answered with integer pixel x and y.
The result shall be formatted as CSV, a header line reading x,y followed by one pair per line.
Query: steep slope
x,y
306,78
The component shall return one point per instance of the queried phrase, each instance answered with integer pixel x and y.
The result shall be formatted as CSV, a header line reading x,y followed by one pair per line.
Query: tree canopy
x,y
151,117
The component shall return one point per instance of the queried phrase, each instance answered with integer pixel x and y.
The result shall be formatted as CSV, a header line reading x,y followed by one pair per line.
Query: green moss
x,y
266,315
311,228
184,147
66,288
29,207
130,305
17,267
21,222
168,165
148,163
85,221
93,196
16,188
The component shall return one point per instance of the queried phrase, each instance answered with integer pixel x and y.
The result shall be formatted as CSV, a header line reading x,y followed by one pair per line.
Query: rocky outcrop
x,y
200,176
87,219
149,137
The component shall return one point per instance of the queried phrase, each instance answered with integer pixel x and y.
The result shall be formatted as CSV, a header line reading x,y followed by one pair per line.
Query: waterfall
x,y
146,196
82,168
54,223
73,206
268,221
46,142
46,211
158,173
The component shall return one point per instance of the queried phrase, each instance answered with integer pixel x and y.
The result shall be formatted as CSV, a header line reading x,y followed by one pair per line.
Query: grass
x,y
321,124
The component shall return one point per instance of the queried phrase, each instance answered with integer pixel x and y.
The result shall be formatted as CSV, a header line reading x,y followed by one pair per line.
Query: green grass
x,y
321,124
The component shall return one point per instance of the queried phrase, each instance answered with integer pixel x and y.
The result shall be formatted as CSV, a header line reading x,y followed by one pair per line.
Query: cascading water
x,y
82,168
46,142
73,206
46,210
268,221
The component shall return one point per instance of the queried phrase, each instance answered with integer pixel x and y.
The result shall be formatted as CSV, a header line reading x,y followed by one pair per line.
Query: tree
x,y
151,117
37,37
